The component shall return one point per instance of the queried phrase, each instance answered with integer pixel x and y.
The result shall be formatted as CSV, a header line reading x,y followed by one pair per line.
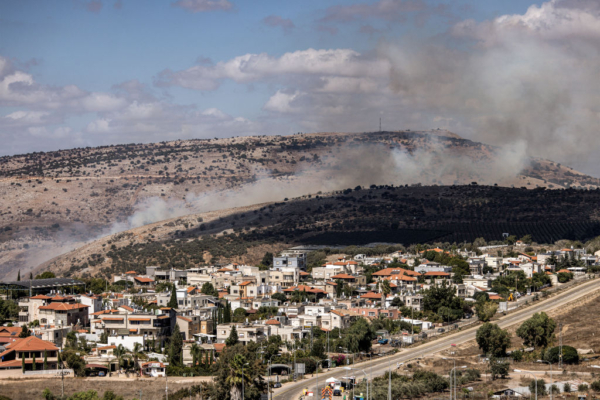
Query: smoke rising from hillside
x,y
353,166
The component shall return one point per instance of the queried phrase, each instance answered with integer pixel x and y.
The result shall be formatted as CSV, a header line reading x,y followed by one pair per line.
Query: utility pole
x,y
140,394
560,345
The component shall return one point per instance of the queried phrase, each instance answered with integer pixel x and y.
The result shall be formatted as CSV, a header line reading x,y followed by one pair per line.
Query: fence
x,y
57,372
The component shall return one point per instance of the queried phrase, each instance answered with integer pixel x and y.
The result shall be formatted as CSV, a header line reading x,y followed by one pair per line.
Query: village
x,y
170,322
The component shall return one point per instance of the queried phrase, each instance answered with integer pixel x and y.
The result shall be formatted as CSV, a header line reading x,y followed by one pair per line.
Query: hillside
x,y
57,201
406,215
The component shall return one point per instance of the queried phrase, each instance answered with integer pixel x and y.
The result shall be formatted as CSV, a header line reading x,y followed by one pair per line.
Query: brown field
x,y
31,389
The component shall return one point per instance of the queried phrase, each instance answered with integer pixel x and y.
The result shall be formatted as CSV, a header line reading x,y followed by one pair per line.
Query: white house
x,y
153,369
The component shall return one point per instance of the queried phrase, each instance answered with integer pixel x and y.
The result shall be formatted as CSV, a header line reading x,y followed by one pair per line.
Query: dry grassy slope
x,y
420,213
87,189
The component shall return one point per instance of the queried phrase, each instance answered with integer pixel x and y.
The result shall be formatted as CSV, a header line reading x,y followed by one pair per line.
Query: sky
x,y
78,73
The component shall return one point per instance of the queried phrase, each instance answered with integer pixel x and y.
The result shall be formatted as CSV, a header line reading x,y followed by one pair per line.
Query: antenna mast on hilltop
x,y
379,124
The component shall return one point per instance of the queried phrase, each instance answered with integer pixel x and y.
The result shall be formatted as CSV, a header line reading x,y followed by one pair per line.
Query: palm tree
x,y
234,380
386,290
120,352
137,351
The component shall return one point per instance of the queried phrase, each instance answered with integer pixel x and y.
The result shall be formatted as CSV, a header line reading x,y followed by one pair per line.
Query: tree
x,y
30,275
318,350
33,367
46,275
173,300
493,340
232,340
279,296
386,290
137,351
23,364
339,288
239,314
569,355
45,360
498,369
267,260
527,239
537,330
19,275
227,313
567,387
209,290
195,351
541,387
228,376
25,332
175,347
486,310
120,352
397,302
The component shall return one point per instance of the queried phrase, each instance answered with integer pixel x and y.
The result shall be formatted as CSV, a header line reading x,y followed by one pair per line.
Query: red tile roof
x,y
273,322
142,279
41,297
184,318
343,276
245,283
436,273
63,306
371,295
31,343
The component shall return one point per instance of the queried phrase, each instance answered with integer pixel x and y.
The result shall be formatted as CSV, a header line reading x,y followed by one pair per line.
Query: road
x,y
380,366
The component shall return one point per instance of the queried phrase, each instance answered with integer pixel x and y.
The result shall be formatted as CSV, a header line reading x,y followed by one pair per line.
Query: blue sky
x,y
78,73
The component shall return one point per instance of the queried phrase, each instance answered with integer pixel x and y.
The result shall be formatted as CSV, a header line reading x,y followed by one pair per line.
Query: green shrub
x,y
569,355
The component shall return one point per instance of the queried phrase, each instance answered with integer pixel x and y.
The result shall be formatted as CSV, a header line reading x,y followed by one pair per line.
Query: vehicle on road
x,y
276,385
441,330
383,341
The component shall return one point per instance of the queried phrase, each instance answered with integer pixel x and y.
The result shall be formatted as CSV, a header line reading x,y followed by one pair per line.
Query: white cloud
x,y
256,67
282,102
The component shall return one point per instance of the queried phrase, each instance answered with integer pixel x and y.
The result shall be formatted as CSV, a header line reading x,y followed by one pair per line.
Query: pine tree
x,y
19,275
173,300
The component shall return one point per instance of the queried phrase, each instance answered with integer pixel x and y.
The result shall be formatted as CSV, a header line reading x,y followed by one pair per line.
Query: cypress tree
x,y
45,360
19,275
173,300
232,340
227,313
175,349
23,363
33,363
31,275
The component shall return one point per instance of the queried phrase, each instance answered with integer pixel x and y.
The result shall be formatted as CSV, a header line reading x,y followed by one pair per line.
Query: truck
x,y
382,341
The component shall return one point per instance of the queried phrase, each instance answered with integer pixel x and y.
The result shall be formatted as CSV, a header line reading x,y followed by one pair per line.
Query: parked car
x,y
277,385
382,341
441,330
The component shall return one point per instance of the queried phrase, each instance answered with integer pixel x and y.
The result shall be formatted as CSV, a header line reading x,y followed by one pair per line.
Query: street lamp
x,y
269,384
551,377
534,377
367,379
390,377
244,364
371,372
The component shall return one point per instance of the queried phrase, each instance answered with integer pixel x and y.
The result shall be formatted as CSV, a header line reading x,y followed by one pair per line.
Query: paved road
x,y
381,365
